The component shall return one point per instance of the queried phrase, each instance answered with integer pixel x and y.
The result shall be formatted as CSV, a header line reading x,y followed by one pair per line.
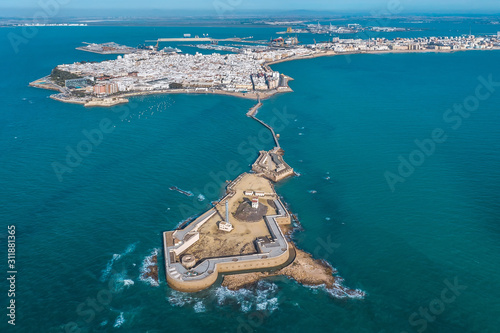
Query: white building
x,y
224,226
255,202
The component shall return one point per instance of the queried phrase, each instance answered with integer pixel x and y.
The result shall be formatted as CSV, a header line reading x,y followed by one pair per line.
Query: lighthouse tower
x,y
226,225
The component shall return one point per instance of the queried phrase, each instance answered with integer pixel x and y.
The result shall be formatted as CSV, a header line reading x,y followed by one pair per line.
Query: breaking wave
x,y
339,291
200,307
109,266
262,297
180,299
149,269
119,320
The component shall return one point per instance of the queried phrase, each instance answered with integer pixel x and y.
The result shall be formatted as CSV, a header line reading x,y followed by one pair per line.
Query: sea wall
x,y
228,267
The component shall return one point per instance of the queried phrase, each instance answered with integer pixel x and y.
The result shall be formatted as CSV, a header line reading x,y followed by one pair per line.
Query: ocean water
x,y
83,241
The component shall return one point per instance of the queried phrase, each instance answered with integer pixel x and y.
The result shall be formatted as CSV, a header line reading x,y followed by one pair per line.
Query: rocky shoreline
x,y
305,270
149,271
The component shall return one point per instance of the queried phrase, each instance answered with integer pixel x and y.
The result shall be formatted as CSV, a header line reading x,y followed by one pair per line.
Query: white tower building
x,y
226,225
255,202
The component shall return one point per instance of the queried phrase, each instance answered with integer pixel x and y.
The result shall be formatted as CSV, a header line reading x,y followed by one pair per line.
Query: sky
x,y
120,7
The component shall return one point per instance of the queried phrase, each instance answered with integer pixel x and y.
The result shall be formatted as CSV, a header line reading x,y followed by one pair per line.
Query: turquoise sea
x,y
426,254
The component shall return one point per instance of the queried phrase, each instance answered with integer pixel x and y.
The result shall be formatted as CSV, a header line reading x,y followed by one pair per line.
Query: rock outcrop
x,y
305,270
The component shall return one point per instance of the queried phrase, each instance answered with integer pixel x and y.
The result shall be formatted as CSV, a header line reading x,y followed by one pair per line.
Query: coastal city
x,y
244,73
351,28
250,166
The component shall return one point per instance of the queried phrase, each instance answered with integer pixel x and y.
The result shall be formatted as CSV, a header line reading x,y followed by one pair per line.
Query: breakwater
x,y
253,111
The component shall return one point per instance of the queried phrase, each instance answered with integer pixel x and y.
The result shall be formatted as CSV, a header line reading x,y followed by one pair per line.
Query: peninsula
x,y
245,73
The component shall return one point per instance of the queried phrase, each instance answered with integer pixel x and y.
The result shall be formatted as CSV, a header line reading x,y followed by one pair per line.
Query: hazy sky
x,y
428,6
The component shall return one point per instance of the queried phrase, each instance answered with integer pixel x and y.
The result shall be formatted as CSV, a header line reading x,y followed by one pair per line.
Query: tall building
x,y
106,89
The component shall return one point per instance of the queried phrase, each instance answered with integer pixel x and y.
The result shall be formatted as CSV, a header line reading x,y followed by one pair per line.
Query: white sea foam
x,y
119,320
146,263
109,266
246,306
199,307
180,299
269,305
261,297
128,282
339,290
225,295
119,281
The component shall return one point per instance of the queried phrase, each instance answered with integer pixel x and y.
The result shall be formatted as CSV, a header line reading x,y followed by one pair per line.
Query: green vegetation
x,y
59,77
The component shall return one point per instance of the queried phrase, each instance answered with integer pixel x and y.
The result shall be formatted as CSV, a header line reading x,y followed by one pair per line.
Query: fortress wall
x,y
229,267
283,220
187,244
192,285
